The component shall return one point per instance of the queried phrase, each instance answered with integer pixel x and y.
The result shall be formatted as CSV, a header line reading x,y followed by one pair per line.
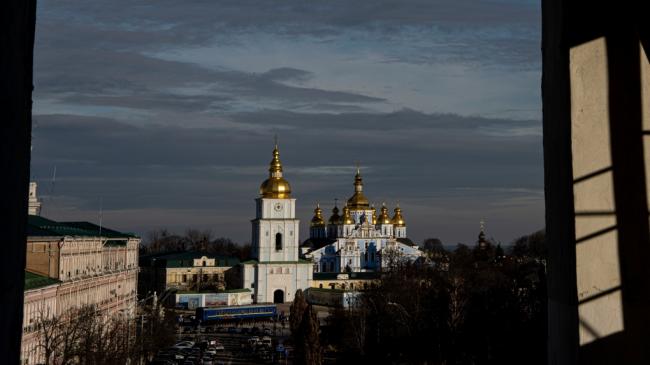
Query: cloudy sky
x,y
163,112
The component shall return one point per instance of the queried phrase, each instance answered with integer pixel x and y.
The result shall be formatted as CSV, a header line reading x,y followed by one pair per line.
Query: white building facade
x,y
359,240
276,271
75,264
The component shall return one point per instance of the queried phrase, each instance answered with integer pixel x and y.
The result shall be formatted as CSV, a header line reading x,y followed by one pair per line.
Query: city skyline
x,y
166,114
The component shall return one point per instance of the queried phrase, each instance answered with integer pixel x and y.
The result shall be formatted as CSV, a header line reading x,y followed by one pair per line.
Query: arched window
x,y
278,241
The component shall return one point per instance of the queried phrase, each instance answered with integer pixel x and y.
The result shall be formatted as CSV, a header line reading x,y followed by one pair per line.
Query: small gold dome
x,y
318,220
374,215
358,200
275,186
347,218
398,220
384,218
335,218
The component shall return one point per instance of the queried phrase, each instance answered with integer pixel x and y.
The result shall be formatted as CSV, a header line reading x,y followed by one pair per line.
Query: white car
x,y
183,345
219,347
210,351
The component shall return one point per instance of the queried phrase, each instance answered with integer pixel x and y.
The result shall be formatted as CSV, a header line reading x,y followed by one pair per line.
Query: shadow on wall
x,y
599,268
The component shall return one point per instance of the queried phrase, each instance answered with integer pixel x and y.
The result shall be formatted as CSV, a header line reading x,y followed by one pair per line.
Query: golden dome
x,y
374,215
275,186
318,220
358,200
398,220
347,218
384,218
335,218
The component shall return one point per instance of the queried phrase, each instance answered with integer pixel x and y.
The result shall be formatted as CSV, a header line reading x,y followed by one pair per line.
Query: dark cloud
x,y
286,74
123,79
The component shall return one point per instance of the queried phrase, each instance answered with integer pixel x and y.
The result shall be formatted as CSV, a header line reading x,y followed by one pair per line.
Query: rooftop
x,y
185,259
35,281
38,226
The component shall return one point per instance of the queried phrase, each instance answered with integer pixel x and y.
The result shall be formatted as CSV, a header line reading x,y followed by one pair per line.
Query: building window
x,y
204,263
320,286
253,285
278,241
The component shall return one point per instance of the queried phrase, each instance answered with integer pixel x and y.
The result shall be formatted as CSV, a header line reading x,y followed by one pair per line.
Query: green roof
x,y
43,227
34,281
185,259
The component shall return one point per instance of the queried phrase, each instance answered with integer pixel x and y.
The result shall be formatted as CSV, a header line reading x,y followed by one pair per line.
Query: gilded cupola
x,y
347,218
374,214
383,218
335,218
275,186
398,220
317,220
358,200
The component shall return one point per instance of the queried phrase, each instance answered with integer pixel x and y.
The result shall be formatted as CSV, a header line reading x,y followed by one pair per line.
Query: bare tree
x,y
309,342
48,326
297,311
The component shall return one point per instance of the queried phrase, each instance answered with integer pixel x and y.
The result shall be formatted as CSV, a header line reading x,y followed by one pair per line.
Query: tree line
x,y
466,306
164,241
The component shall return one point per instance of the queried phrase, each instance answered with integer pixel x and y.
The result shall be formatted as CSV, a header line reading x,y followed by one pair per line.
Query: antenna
x,y
482,223
51,193
101,203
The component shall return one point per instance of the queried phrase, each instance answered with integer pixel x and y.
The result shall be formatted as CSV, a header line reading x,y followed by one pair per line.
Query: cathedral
x,y
359,240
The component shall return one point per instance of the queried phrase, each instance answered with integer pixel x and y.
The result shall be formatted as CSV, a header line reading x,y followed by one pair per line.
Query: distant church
x,y
359,240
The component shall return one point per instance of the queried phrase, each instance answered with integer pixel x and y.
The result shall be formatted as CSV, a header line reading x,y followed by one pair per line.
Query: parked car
x,y
184,345
210,351
267,331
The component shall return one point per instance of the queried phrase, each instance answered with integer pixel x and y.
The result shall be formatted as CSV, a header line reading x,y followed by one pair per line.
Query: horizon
x,y
164,116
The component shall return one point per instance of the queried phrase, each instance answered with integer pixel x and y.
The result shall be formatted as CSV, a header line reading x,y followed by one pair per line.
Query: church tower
x,y
275,227
275,273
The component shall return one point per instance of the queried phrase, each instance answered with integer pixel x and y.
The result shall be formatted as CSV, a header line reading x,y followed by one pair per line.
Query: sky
x,y
162,114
